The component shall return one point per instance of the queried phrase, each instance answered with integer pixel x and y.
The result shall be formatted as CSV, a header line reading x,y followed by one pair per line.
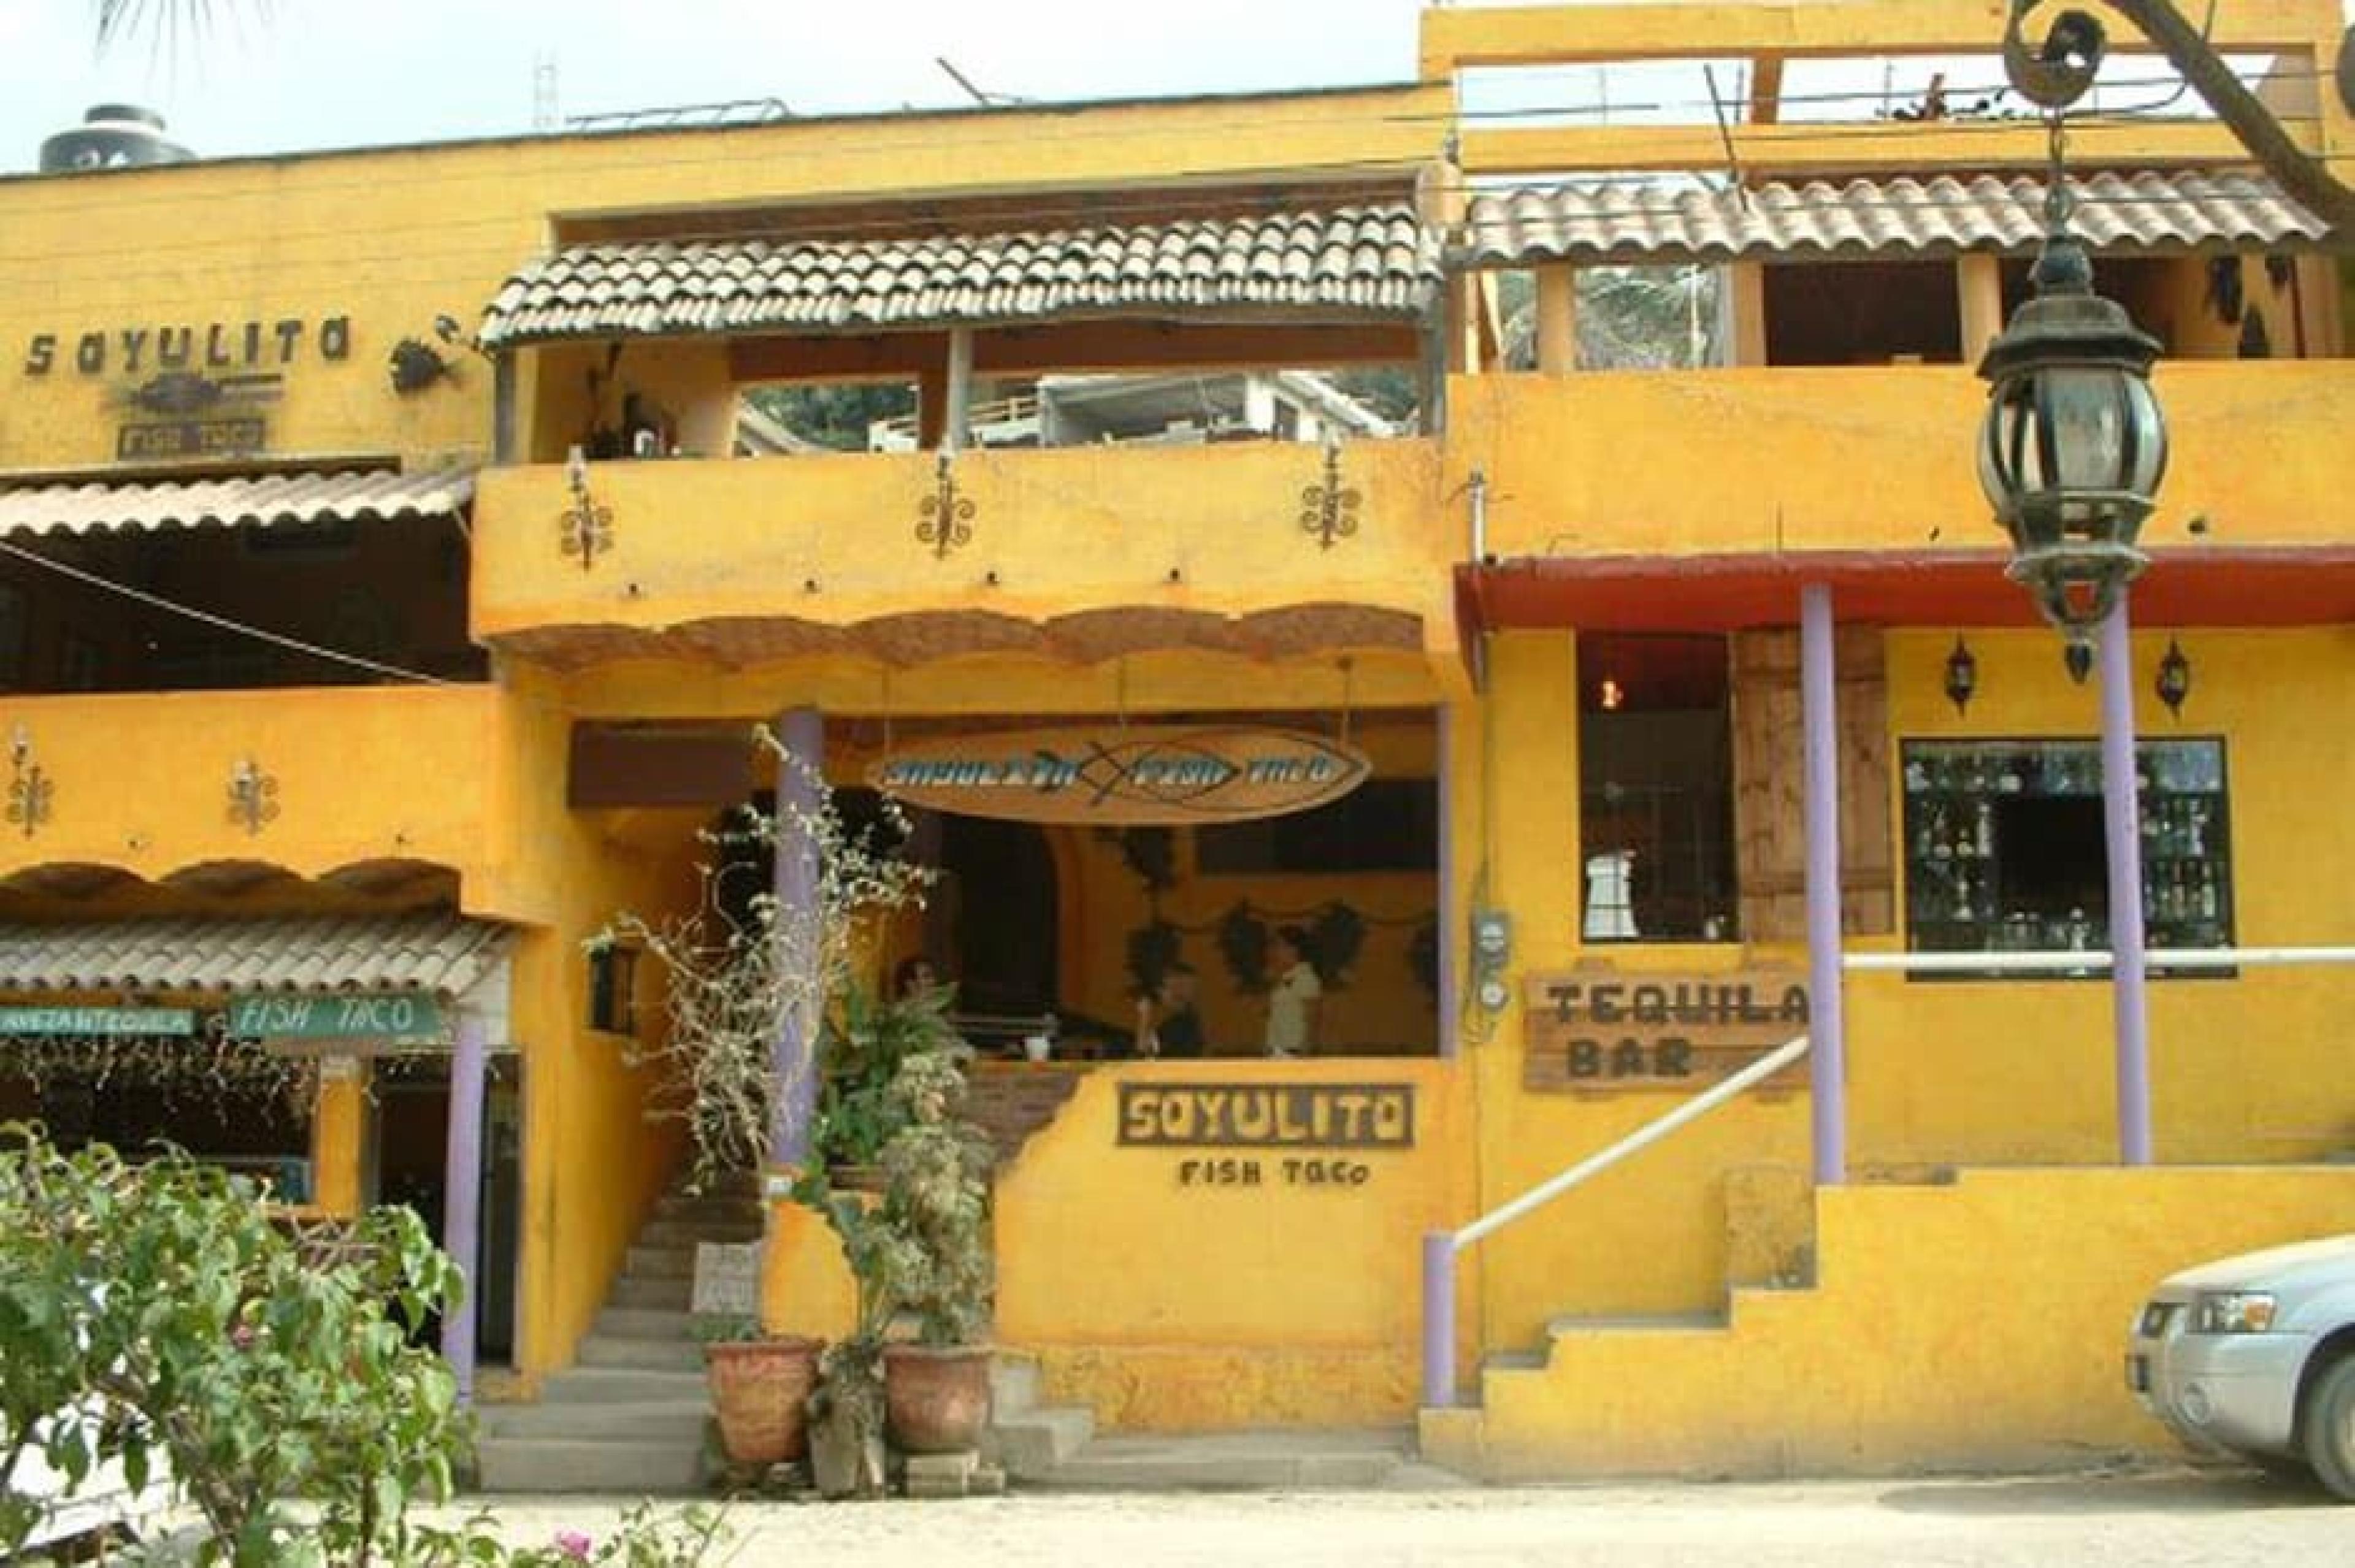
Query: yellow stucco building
x,y
1303,415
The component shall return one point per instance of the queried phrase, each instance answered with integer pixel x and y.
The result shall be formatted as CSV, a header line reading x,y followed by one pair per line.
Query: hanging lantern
x,y
2174,682
2074,447
1962,676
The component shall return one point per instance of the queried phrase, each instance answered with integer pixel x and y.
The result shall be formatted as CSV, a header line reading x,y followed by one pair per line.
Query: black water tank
x,y
112,136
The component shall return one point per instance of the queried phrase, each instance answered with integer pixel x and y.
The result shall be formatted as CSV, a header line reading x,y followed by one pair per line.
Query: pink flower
x,y
573,1544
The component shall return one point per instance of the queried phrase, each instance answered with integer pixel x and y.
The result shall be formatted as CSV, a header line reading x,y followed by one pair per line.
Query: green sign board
x,y
337,1015
97,1020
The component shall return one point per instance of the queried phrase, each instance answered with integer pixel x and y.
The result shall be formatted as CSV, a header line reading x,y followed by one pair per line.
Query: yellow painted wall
x,y
1170,1307
1063,530
1799,459
142,780
2245,1069
1977,1325
393,238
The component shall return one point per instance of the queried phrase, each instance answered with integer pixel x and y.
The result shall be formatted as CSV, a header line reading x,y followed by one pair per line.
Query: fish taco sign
x,y
1132,776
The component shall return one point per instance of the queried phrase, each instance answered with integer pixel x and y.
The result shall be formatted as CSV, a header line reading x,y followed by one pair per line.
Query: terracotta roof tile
x,y
1612,222
1375,261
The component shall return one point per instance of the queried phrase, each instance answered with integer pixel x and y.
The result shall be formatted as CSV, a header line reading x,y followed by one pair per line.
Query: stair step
x,y
615,1385
1034,1443
1640,1322
666,1295
672,1421
1514,1361
731,1232
1013,1385
1239,1461
659,1263
645,1323
635,1466
652,1355
695,1210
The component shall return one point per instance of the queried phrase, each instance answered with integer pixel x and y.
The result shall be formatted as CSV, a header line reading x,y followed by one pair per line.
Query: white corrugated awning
x,y
437,951
98,507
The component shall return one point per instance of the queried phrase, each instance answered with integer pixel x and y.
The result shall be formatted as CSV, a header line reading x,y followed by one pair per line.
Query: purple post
x,y
801,774
1820,721
461,1196
1438,1318
2121,821
1451,924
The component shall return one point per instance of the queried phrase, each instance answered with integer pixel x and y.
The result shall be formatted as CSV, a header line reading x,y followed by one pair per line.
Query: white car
x,y
2254,1357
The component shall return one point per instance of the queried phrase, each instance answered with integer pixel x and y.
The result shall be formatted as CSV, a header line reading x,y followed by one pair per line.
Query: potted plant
x,y
918,1248
761,1384
741,977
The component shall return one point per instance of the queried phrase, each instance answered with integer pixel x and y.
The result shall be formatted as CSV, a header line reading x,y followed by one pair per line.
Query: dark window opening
x,y
2006,847
1655,788
1383,824
613,990
1863,313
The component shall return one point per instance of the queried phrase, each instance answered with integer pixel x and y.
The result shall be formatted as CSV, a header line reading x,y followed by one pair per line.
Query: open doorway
x,y
407,1155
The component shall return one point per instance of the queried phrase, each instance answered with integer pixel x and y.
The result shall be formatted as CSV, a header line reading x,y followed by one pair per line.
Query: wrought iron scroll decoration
x,y
585,529
945,518
253,796
31,792
1328,510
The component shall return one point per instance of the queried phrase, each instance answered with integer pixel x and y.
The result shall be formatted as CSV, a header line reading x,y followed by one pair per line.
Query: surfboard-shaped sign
x,y
1134,775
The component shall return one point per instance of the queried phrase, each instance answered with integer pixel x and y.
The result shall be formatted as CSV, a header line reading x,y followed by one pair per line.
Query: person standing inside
x,y
1166,1022
1292,1002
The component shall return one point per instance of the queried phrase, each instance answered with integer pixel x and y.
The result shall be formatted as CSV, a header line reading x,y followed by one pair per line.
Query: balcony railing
x,y
1870,458
353,784
835,540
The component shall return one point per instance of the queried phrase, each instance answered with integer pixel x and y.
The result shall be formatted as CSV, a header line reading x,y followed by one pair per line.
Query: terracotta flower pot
x,y
935,1398
759,1388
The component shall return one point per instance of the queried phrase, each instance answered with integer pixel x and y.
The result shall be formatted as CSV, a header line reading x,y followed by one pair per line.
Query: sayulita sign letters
x,y
1598,1029
1135,775
191,389
1293,1135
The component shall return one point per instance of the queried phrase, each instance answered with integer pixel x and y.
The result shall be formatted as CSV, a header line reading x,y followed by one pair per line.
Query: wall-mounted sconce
x,y
1609,695
2077,658
585,529
1962,676
253,796
31,790
2174,682
417,365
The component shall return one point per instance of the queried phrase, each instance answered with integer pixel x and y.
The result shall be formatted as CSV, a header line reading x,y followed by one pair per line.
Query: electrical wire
x,y
223,623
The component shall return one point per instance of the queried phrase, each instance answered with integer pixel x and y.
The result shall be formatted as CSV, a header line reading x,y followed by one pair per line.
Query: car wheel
x,y
2329,1423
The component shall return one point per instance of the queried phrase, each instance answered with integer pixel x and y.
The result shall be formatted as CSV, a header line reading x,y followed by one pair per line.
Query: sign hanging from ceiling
x,y
1136,775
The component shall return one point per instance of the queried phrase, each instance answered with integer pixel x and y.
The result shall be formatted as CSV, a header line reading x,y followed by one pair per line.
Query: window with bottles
x,y
2006,851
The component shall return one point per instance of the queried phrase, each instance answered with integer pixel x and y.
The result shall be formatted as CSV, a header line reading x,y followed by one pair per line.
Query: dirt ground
x,y
2143,1519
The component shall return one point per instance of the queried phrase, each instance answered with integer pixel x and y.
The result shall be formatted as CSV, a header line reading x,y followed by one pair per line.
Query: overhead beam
x,y
1457,40
1765,152
1075,346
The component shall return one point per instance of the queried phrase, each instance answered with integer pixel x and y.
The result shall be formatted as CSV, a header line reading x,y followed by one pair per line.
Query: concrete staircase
x,y
1057,1447
630,1416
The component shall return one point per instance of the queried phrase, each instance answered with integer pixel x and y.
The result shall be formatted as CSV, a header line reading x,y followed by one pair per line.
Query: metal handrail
x,y
2067,960
1441,1247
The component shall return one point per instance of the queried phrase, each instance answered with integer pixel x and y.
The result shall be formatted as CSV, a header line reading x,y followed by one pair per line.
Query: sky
x,y
323,73
273,76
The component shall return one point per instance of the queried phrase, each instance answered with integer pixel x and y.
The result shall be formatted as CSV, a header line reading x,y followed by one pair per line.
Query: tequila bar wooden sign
x,y
1599,1029
1135,775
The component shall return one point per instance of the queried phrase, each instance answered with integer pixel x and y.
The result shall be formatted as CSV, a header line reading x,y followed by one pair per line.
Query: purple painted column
x,y
1451,913
2121,820
461,1195
1438,1318
801,774
1820,721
